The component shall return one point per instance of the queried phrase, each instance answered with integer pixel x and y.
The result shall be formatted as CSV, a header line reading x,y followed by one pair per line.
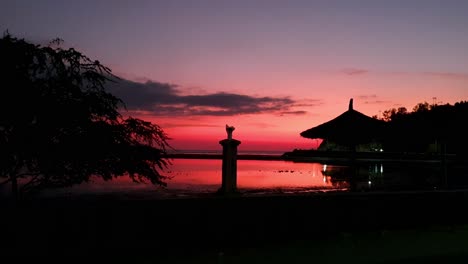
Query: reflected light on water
x,y
204,175
250,174
192,176
199,176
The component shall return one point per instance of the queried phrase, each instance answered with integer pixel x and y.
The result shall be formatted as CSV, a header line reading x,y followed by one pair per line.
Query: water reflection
x,y
396,176
355,177
204,175
252,174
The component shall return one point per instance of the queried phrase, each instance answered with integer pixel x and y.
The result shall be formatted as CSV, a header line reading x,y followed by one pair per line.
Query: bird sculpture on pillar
x,y
229,130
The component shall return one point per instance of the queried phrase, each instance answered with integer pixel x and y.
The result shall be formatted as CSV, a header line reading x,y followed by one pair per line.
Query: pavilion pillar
x,y
229,166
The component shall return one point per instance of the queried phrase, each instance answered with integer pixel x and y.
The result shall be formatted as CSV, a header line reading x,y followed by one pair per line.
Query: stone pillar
x,y
229,167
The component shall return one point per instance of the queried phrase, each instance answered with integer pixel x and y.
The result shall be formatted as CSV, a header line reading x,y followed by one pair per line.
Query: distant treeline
x,y
433,128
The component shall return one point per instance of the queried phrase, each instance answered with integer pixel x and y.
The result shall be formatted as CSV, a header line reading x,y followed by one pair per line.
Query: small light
x,y
370,182
324,167
381,150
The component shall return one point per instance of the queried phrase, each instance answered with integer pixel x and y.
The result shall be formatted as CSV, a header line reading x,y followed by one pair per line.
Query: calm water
x,y
252,174
194,176
204,175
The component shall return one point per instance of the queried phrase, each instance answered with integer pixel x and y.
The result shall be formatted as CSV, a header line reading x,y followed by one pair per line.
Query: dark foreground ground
x,y
411,227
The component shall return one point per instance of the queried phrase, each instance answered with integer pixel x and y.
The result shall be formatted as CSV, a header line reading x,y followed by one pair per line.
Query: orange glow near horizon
x,y
266,132
277,131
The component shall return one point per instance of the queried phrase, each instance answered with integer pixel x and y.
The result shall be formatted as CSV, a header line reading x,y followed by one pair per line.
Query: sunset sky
x,y
270,68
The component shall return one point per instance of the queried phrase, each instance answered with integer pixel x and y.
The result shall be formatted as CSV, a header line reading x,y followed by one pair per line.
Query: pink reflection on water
x,y
280,174
188,173
204,175
194,174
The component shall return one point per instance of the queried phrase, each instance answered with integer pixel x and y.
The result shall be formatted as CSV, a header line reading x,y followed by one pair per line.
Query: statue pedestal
x,y
229,169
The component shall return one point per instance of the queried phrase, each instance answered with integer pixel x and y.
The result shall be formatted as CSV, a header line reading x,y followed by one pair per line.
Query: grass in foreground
x,y
430,245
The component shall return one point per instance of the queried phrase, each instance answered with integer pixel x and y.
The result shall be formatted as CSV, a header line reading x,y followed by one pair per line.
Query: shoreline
x,y
259,194
329,158
246,194
220,156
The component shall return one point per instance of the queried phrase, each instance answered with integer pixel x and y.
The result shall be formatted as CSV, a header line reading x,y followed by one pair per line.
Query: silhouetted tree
x,y
59,126
440,125
421,107
391,114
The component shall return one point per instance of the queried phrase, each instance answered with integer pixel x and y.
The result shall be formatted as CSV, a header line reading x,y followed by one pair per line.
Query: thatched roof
x,y
350,128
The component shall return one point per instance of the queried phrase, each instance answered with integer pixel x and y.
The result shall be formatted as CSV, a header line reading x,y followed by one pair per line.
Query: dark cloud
x,y
300,112
308,103
166,99
170,125
142,96
354,71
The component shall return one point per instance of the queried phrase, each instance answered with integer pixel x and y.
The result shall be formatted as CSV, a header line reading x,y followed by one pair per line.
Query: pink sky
x,y
270,68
